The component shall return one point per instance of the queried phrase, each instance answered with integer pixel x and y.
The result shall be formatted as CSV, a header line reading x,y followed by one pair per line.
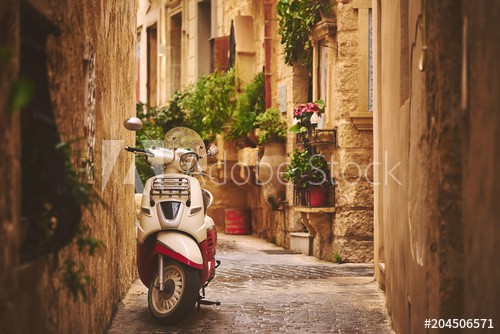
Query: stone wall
x,y
32,296
353,223
349,231
481,158
10,174
438,229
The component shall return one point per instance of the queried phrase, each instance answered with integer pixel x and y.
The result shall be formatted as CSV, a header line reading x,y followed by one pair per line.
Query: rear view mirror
x,y
212,151
133,124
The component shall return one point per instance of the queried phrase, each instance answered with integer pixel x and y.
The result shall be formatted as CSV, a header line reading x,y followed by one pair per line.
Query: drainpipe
x,y
267,8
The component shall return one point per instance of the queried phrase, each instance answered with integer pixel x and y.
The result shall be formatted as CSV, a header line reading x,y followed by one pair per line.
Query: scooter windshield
x,y
181,137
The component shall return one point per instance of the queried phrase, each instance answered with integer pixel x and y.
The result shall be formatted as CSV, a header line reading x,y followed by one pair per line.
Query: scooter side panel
x,y
194,224
145,265
209,222
138,204
149,222
181,244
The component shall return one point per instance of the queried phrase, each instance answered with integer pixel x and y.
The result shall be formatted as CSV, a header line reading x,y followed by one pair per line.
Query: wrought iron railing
x,y
317,137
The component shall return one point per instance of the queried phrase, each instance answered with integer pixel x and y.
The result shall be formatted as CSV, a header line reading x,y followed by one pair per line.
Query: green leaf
x,y
21,93
321,104
296,128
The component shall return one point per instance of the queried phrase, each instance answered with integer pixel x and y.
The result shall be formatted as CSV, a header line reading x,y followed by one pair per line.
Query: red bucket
x,y
237,221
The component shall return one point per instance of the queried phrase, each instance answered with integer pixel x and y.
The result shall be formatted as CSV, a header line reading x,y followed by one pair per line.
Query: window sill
x,y
363,121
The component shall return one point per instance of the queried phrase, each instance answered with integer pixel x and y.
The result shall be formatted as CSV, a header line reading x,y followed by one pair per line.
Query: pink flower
x,y
312,107
306,110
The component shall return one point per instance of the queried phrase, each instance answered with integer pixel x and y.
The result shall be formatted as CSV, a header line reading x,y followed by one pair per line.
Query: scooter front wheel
x,y
179,295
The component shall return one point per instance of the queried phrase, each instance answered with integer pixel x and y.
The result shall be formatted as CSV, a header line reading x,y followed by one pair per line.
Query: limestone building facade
x,y
78,58
177,38
342,78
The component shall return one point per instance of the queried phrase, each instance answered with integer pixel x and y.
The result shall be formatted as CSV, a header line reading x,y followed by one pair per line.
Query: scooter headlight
x,y
188,161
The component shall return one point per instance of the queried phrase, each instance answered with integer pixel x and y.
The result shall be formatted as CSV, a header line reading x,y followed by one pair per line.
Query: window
x,y
323,57
175,52
138,69
152,48
322,76
363,117
204,37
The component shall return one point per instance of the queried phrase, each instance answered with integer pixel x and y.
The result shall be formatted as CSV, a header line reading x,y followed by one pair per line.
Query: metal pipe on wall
x,y
267,8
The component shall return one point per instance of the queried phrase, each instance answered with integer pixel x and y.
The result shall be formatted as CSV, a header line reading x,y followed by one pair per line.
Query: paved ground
x,y
271,293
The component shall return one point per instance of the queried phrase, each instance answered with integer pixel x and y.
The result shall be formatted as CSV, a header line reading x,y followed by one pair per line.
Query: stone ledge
x,y
314,209
319,221
363,121
323,29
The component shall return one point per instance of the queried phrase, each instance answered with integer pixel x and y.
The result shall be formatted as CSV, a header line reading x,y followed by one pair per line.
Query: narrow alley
x,y
362,134
266,289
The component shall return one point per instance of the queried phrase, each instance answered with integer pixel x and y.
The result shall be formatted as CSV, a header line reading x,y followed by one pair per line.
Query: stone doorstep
x,y
301,242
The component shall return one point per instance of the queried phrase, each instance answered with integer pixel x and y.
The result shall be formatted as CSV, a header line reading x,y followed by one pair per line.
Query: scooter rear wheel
x,y
179,296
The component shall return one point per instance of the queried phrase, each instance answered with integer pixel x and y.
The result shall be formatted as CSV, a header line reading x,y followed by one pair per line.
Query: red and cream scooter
x,y
176,240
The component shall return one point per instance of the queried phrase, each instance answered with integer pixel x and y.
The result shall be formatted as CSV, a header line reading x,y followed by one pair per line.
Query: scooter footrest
x,y
208,302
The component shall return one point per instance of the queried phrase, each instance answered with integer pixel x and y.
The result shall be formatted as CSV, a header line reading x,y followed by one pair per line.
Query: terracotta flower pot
x,y
318,196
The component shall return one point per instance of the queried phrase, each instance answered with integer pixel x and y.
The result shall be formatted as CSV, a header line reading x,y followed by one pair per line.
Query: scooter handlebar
x,y
138,151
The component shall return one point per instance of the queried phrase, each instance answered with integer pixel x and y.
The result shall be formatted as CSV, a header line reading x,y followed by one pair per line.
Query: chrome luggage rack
x,y
171,187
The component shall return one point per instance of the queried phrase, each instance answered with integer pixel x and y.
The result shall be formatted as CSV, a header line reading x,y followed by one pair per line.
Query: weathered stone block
x,y
347,77
357,224
347,17
345,103
351,250
248,156
347,45
301,242
349,137
352,165
356,194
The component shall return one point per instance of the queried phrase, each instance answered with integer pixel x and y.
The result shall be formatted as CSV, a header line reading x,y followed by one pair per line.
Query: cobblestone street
x,y
262,289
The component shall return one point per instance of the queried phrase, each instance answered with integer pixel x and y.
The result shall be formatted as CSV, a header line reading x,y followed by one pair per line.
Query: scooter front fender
x,y
179,247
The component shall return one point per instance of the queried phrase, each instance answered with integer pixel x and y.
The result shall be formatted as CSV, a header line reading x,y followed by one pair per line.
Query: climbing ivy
x,y
72,273
296,20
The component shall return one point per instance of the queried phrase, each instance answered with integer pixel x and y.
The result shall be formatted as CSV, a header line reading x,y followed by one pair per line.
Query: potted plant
x,y
272,129
306,116
250,103
310,176
272,135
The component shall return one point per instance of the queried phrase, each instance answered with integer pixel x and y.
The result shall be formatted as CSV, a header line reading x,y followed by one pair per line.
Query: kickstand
x,y
203,301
